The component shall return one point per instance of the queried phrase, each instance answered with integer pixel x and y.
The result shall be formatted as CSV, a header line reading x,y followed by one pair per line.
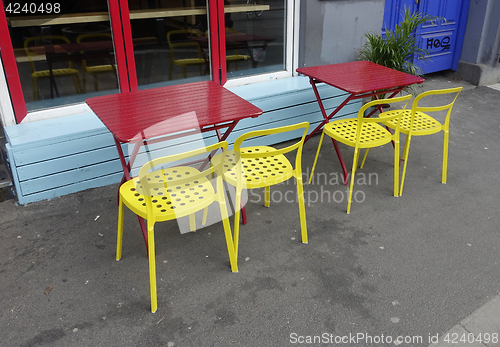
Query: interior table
x,y
360,79
247,42
153,115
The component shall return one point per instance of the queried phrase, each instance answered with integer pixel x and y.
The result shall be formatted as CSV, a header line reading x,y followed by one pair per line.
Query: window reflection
x,y
64,57
165,47
255,40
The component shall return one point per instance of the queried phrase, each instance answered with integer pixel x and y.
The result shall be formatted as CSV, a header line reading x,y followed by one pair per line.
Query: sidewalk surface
x,y
418,270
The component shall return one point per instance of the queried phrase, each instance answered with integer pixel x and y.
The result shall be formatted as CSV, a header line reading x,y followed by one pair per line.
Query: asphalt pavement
x,y
415,270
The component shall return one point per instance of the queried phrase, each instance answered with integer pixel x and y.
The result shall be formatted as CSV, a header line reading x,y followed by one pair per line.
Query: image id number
x,y
32,8
471,338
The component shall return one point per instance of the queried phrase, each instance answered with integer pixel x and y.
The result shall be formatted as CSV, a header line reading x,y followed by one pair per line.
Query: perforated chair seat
x,y
55,72
417,122
258,172
423,124
344,130
363,132
166,192
263,167
180,201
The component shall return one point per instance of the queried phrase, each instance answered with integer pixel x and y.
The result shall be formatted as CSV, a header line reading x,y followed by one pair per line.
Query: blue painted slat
x,y
36,153
45,132
71,188
70,176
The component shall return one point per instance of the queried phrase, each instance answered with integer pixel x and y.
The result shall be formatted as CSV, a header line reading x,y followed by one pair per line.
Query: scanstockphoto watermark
x,y
356,339
331,189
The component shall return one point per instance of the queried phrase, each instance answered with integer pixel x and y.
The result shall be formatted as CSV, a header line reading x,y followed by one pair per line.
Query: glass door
x,y
170,40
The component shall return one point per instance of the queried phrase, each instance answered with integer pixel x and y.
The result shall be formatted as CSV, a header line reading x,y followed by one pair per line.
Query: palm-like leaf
x,y
399,48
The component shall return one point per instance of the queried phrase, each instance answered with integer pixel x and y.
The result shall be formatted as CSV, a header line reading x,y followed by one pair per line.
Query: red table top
x,y
359,77
166,110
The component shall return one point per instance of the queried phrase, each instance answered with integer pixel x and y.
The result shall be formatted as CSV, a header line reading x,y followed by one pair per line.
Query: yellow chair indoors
x,y
171,193
95,70
183,52
264,166
38,74
236,56
416,122
366,133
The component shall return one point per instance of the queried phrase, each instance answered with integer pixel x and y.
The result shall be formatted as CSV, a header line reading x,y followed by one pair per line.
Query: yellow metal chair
x,y
36,75
178,41
366,133
171,193
262,167
416,122
95,70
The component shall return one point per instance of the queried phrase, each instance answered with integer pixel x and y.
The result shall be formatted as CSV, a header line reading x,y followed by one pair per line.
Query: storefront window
x,y
68,51
170,43
255,37
64,51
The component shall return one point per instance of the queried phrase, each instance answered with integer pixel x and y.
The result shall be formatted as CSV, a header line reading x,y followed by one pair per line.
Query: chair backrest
x,y
362,120
31,41
179,38
160,184
93,37
304,126
417,107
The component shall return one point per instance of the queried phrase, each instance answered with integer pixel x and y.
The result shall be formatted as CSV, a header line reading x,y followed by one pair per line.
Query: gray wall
x,y
483,32
480,53
333,31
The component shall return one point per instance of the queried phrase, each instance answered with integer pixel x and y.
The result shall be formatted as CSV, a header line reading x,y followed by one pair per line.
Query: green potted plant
x,y
399,47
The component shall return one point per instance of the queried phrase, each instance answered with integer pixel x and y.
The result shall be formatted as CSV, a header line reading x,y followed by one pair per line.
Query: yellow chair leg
x,y
230,242
192,222
237,208
445,157
317,155
364,158
152,266
354,166
396,167
406,152
205,216
267,196
119,237
302,209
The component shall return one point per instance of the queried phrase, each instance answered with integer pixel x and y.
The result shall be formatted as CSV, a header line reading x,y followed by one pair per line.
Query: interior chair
x,y
95,70
416,122
184,52
264,166
236,56
366,133
164,192
38,74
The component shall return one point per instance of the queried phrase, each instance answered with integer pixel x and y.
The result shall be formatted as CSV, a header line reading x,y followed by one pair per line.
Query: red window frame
x,y
124,51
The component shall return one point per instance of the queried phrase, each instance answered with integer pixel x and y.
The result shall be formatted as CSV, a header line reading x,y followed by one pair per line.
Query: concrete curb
x,y
481,328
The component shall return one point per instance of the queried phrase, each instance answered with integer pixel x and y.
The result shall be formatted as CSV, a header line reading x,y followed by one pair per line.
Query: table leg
x,y
49,50
223,138
126,176
325,121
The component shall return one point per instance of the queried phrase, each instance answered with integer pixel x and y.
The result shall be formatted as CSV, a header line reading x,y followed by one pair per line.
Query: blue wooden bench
x,y
55,157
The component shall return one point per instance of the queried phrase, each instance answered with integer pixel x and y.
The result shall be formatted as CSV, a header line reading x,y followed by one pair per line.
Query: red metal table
x,y
153,115
360,79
